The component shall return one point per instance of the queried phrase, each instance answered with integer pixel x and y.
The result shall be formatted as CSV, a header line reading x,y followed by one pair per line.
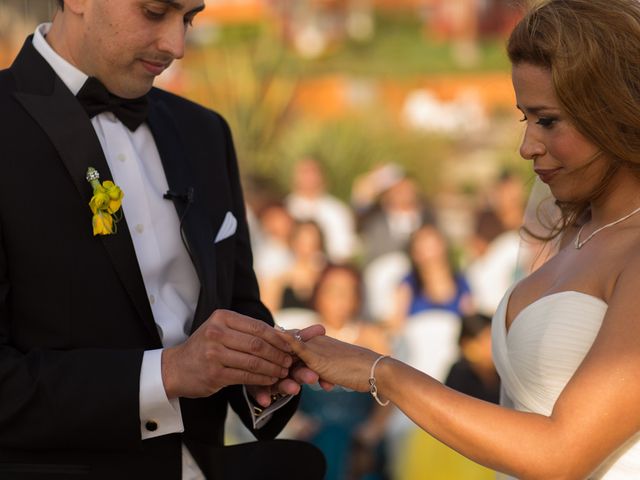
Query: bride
x,y
566,338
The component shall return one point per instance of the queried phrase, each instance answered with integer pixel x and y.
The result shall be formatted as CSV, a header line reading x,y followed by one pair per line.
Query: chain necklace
x,y
579,244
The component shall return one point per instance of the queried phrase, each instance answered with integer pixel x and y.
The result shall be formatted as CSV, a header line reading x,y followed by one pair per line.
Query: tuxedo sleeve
x,y
58,398
246,297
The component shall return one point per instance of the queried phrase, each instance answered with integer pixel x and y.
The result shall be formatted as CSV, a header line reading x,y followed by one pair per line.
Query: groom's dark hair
x,y
61,3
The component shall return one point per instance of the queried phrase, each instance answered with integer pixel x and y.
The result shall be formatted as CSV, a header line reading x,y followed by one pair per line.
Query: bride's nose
x,y
531,147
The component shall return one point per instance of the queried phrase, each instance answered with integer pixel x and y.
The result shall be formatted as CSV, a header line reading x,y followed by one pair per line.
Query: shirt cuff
x,y
260,416
158,415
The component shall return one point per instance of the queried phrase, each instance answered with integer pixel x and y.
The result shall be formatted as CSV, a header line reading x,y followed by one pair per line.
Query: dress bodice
x,y
541,351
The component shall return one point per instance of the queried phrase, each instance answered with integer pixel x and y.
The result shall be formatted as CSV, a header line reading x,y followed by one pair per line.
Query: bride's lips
x,y
546,174
154,68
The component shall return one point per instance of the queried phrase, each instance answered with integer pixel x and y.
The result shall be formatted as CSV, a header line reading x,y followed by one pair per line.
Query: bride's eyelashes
x,y
545,122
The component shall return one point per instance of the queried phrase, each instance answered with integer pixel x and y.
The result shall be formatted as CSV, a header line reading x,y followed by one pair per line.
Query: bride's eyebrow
x,y
535,110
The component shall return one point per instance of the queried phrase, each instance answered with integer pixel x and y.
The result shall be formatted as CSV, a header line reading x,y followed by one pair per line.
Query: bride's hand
x,y
335,361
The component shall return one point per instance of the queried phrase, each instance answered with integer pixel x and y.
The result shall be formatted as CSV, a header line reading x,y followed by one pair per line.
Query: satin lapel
x,y
65,122
197,230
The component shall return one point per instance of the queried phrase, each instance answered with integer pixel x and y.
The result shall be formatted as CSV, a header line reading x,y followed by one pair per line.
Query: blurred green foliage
x,y
399,48
250,75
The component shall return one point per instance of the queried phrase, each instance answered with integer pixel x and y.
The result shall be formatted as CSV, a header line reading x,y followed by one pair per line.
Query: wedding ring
x,y
279,328
297,336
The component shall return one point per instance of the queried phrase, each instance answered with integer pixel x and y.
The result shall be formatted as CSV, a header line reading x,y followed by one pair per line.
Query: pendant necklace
x,y
579,244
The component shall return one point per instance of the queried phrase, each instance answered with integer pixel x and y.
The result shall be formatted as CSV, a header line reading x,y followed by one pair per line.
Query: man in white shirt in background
x,y
310,200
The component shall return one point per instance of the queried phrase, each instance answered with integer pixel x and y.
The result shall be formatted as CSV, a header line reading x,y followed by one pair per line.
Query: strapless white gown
x,y
539,354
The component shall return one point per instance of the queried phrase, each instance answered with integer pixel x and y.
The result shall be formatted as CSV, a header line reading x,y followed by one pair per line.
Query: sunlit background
x,y
355,83
421,87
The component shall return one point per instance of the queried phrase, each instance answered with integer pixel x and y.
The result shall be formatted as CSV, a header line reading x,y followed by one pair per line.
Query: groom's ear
x,y
75,6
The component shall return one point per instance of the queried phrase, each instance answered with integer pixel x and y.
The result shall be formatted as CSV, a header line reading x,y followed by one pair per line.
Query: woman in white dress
x,y
566,338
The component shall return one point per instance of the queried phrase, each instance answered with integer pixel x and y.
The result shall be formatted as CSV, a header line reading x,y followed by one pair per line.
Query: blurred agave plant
x,y
250,84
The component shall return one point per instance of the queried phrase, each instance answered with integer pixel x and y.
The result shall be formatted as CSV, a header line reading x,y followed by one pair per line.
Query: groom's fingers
x,y
288,386
250,364
234,376
256,346
252,327
228,349
260,394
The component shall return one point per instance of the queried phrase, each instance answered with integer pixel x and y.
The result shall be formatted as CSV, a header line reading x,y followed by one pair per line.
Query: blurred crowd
x,y
381,272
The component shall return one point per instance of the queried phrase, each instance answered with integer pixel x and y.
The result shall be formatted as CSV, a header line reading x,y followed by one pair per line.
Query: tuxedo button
x,y
152,299
151,426
122,157
139,228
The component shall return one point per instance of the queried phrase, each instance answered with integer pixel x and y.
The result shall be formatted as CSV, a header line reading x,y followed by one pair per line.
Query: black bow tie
x,y
95,98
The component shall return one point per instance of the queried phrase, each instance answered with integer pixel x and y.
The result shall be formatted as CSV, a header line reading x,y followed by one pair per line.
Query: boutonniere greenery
x,y
105,203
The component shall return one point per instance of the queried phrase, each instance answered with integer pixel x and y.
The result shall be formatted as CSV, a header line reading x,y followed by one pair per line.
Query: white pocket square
x,y
228,227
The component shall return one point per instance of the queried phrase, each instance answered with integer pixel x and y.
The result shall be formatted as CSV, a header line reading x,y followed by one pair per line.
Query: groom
x,y
119,353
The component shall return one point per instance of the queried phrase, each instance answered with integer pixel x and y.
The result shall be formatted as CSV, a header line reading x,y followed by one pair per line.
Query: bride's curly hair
x,y
592,50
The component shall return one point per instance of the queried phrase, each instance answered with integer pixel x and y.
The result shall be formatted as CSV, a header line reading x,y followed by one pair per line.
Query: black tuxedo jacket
x,y
74,316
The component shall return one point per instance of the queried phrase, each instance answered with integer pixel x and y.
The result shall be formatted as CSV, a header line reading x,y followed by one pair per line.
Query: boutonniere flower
x,y
105,203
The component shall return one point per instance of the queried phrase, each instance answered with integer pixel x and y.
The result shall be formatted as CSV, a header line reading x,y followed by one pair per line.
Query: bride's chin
x,y
562,195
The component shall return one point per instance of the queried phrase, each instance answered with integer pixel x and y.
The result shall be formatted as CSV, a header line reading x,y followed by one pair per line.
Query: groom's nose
x,y
171,39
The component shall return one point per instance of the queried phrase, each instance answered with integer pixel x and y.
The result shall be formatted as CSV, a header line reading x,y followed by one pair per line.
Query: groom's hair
x,y
61,3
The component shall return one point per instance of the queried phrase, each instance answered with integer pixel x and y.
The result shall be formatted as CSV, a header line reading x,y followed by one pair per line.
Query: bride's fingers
x,y
312,331
326,386
296,338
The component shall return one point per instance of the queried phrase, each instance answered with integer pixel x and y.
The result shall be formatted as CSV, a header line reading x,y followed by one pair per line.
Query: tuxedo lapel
x,y
50,103
196,228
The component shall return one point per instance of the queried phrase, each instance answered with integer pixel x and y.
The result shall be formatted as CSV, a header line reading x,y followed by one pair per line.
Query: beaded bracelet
x,y
373,388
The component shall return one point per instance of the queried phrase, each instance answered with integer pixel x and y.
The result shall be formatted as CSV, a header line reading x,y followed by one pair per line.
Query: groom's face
x,y
127,43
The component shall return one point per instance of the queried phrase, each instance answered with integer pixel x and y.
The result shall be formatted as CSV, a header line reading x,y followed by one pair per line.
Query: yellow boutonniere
x,y
105,203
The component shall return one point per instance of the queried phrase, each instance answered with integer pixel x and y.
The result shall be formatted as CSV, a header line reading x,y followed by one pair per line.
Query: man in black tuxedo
x,y
117,351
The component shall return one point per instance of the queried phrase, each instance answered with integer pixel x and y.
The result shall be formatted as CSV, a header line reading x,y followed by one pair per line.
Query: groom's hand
x,y
299,374
227,349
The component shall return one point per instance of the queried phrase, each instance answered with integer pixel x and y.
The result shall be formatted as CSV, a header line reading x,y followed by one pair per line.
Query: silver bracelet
x,y
373,388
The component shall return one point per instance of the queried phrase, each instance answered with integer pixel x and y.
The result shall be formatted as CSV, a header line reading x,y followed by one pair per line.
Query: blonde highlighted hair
x,y
592,50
